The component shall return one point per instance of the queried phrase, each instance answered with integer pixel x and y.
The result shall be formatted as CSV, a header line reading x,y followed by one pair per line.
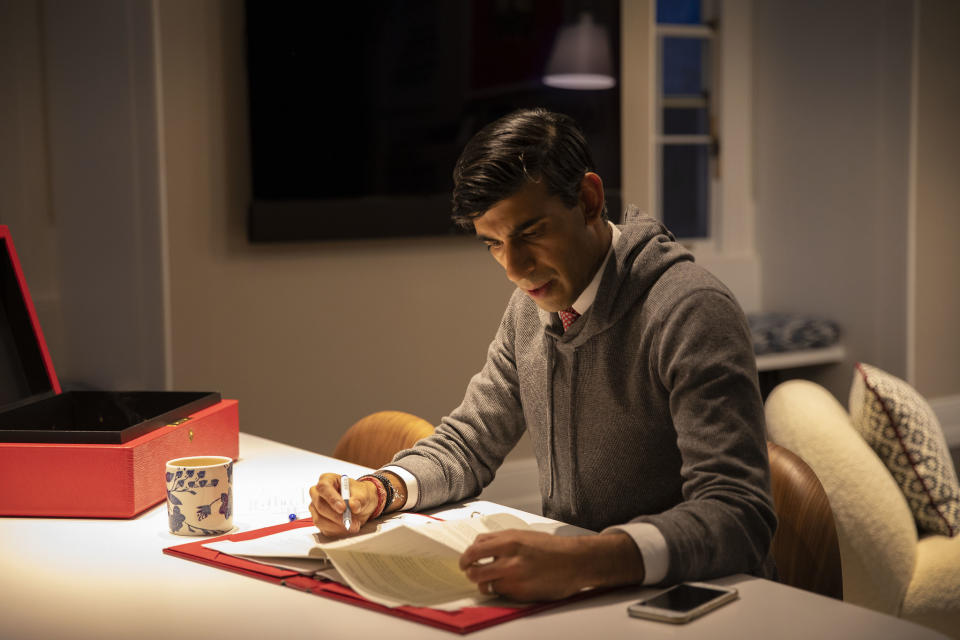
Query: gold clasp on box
x,y
179,422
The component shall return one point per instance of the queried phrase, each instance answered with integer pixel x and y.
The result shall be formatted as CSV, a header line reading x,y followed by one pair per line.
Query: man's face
x,y
548,250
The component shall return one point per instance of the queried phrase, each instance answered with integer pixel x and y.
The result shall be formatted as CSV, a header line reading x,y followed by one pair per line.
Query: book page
x,y
414,566
459,534
427,579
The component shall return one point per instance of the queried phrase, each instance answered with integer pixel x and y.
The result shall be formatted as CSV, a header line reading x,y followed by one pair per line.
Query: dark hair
x,y
528,145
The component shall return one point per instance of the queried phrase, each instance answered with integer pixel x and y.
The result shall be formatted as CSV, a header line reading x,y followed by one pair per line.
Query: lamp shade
x,y
581,57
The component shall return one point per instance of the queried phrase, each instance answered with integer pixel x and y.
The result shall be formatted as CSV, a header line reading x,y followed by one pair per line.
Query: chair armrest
x,y
875,528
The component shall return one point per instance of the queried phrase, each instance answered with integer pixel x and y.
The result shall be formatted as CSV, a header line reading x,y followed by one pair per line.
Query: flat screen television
x,y
358,110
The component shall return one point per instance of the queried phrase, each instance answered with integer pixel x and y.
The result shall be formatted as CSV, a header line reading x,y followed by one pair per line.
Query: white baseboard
x,y
947,409
516,485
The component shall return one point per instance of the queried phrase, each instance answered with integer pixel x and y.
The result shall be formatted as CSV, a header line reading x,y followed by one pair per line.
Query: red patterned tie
x,y
568,316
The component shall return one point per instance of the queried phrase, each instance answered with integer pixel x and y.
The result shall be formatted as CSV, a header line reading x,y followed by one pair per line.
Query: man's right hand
x,y
326,505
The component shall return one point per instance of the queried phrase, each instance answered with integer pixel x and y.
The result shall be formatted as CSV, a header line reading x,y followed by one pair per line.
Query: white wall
x,y
832,97
858,202
80,186
105,191
24,182
935,255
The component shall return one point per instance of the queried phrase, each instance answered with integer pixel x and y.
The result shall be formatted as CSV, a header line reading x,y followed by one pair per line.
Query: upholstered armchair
x,y
886,565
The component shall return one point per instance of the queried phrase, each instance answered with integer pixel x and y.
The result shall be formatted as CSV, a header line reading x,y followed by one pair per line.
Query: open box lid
x,y
26,370
32,407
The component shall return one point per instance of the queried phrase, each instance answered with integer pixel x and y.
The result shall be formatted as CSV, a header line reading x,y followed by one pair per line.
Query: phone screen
x,y
683,597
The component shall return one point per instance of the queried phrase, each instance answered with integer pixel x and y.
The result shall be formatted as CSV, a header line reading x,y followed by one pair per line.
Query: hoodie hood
x,y
644,251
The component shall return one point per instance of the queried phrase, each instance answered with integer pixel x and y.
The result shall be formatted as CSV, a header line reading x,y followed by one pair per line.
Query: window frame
x,y
709,34
729,250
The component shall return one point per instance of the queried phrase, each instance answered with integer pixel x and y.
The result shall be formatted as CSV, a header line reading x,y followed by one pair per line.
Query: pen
x,y
345,494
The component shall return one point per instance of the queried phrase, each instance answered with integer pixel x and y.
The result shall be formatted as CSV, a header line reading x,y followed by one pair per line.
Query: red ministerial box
x,y
108,480
88,453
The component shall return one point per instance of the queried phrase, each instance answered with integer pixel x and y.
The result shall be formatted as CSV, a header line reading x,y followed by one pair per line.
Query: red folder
x,y
463,621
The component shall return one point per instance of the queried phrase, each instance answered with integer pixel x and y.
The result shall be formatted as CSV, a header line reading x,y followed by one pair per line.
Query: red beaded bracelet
x,y
381,495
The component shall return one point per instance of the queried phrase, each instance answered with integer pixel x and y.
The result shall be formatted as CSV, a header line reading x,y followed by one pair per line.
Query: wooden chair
x,y
805,545
372,441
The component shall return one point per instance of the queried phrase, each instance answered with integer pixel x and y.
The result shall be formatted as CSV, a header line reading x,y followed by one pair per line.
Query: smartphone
x,y
683,602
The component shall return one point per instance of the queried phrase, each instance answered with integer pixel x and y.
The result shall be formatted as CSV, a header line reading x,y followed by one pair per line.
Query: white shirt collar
x,y
582,303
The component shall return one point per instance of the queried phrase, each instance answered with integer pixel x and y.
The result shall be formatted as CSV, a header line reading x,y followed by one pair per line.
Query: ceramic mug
x,y
200,495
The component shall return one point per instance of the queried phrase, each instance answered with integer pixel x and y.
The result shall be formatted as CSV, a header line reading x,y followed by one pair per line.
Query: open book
x,y
409,559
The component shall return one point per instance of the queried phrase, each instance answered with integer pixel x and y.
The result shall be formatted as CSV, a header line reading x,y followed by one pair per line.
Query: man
x,y
631,368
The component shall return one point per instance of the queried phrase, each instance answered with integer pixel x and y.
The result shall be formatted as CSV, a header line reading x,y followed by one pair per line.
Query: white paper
x,y
294,543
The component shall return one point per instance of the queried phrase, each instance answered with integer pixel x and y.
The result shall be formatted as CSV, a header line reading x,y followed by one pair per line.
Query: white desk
x,y
74,578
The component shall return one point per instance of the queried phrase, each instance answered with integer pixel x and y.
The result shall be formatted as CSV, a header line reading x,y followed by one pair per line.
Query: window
x,y
711,108
685,136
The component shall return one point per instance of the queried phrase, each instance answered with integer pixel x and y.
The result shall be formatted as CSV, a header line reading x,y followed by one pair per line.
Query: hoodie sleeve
x,y
725,521
468,446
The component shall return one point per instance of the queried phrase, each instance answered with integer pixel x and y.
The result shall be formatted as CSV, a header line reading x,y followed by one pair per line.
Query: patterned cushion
x,y
902,428
778,332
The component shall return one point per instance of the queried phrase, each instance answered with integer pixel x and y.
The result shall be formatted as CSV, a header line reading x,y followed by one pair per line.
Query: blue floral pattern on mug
x,y
184,486
226,503
176,519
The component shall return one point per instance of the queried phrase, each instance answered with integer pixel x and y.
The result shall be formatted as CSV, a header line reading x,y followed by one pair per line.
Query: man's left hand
x,y
530,565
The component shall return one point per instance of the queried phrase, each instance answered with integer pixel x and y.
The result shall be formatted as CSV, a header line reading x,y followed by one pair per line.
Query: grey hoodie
x,y
646,410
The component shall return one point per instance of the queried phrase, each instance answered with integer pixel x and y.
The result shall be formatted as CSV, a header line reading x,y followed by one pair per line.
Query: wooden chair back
x,y
805,546
372,441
